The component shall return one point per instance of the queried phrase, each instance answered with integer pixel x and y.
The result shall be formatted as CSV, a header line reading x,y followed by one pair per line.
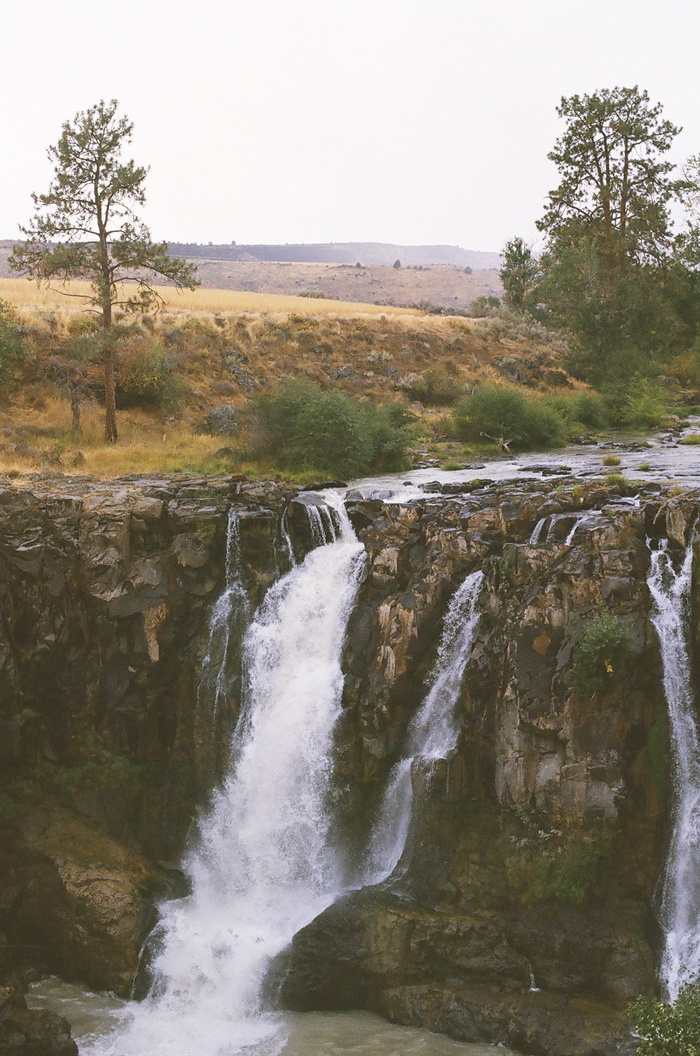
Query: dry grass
x,y
23,293
145,445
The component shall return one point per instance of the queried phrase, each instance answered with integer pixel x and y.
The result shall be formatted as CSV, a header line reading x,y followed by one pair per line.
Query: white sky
x,y
408,121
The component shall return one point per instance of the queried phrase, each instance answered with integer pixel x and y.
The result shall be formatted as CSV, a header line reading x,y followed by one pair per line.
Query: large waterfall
x,y
432,733
264,864
680,908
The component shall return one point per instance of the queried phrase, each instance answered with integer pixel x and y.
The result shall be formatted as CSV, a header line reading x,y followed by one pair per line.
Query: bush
x,y
603,651
435,388
645,405
146,377
502,411
668,1029
582,409
305,428
11,347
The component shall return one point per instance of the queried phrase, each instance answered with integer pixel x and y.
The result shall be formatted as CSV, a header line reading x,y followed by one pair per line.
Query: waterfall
x,y
433,731
227,624
264,865
680,904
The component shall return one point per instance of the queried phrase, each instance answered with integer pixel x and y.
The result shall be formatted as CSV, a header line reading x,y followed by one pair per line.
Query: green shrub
x,y
503,411
611,460
641,404
146,377
11,347
305,428
668,1029
604,650
435,388
582,409
483,307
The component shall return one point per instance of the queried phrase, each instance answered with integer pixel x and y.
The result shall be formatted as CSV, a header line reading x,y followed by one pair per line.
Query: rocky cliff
x,y
522,910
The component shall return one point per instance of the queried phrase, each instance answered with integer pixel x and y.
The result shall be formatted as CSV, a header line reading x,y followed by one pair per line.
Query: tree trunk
x,y
75,403
109,381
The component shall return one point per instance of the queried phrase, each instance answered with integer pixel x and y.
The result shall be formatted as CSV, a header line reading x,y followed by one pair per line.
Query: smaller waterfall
x,y
227,625
545,529
322,524
680,907
433,732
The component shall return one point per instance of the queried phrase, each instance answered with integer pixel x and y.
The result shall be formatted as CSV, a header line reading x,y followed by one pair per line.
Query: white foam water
x,y
264,864
680,904
433,731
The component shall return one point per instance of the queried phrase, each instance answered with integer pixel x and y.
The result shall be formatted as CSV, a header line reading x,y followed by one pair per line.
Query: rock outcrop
x,y
521,911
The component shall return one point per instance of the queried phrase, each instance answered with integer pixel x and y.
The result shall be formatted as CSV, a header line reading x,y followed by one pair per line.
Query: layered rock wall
x,y
522,910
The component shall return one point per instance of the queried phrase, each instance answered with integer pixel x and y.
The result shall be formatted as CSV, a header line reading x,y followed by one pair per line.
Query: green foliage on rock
x,y
565,862
502,412
603,651
11,347
306,428
666,1029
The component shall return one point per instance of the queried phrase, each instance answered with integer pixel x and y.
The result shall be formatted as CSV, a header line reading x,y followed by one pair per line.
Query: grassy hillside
x,y
214,349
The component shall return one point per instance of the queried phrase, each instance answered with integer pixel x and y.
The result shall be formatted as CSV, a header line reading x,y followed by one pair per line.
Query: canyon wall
x,y
523,908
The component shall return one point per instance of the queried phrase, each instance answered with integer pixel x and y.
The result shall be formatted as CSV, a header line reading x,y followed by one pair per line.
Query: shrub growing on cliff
x,y
500,411
668,1029
305,428
604,650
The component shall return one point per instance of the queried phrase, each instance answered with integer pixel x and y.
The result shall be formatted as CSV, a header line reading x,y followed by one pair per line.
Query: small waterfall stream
x,y
264,865
229,619
680,906
432,733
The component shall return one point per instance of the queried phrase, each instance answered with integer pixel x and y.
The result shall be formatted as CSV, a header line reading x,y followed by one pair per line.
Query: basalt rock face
x,y
108,739
522,910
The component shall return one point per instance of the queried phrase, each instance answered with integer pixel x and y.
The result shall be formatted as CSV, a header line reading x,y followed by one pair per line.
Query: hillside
x,y
194,357
425,278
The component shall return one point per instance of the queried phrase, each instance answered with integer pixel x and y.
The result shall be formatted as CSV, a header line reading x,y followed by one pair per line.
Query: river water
x,y
97,1017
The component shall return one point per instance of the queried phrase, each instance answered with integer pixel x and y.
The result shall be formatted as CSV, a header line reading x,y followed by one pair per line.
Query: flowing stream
x,y
432,733
680,905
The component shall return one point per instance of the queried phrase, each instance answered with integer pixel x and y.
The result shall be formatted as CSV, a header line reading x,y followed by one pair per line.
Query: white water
x,y
227,624
264,865
433,732
680,907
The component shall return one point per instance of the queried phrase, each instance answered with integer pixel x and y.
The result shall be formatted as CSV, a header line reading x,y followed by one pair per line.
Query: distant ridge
x,y
368,253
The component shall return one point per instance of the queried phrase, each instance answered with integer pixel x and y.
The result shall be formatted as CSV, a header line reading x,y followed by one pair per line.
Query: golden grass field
x,y
26,294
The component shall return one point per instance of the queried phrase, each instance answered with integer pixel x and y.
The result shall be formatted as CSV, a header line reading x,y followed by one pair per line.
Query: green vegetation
x,y
616,275
505,413
611,460
436,387
563,862
603,651
306,428
667,1029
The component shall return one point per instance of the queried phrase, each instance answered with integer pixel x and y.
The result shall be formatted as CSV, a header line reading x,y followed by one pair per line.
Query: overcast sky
x,y
407,121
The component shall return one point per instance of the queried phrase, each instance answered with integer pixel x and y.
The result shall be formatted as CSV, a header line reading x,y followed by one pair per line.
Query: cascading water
x,y
227,625
680,905
432,733
264,865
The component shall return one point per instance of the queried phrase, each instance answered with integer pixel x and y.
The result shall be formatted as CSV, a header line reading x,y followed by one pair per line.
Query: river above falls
x,y
660,457
94,1017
